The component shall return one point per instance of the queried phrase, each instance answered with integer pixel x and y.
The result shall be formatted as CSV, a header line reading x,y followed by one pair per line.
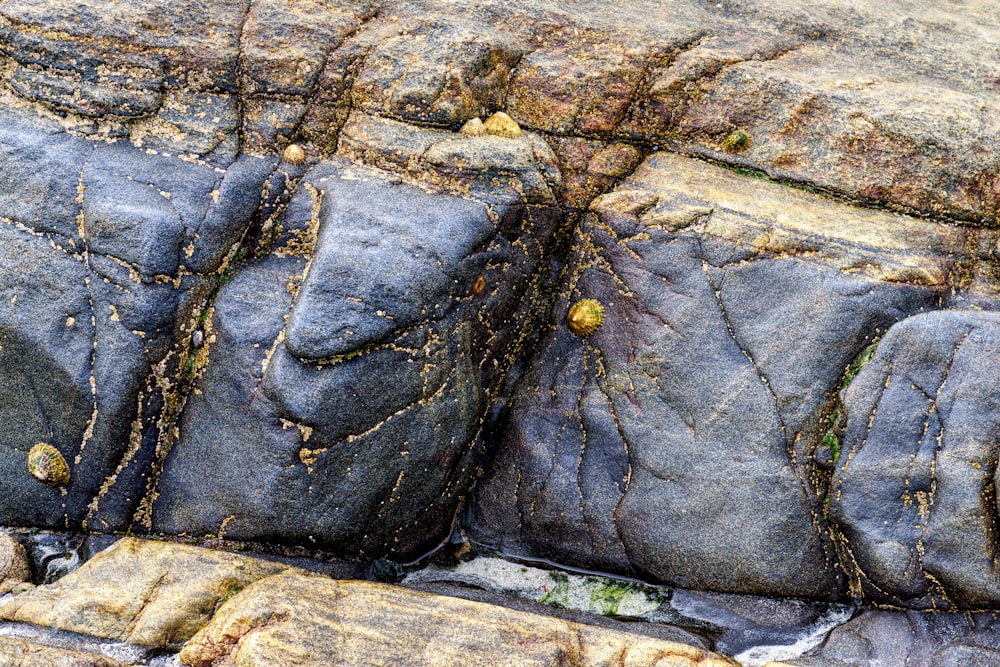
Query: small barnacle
x,y
48,465
736,141
585,317
293,155
502,125
473,127
198,338
479,285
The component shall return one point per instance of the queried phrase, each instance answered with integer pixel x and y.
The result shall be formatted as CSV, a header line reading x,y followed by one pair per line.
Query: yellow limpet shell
x,y
293,154
473,127
502,125
47,464
585,317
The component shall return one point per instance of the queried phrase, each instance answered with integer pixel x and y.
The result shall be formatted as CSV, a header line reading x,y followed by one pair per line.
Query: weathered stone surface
x,y
126,180
152,594
290,619
343,401
19,653
880,637
14,566
897,106
676,442
914,495
106,251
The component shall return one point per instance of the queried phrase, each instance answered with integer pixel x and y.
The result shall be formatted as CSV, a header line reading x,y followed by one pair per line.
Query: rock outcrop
x,y
215,333
679,441
914,496
228,609
309,621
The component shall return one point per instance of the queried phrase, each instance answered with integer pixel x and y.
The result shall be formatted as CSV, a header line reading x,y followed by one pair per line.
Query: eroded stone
x,y
317,621
676,441
152,594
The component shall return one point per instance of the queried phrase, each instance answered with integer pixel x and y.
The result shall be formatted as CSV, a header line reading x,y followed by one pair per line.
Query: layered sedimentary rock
x,y
322,622
218,342
146,593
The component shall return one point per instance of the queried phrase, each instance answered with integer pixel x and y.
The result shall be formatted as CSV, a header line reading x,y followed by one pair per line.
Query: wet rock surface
x,y
879,637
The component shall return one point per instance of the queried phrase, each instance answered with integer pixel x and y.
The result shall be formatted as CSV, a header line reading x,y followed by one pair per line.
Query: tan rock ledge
x,y
19,653
293,619
676,192
154,594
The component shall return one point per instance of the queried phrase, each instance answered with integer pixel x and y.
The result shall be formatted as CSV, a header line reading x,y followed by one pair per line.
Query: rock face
x,y
914,496
346,411
328,350
290,619
27,654
106,250
677,441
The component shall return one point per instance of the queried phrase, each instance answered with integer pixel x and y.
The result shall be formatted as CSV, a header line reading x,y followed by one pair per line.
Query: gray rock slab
x,y
913,496
93,290
353,366
676,442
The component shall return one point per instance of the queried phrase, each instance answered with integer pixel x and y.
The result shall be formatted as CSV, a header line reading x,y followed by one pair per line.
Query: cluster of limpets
x,y
585,317
47,464
499,124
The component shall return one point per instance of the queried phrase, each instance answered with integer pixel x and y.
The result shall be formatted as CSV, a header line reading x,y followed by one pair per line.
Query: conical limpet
x,y
502,125
293,155
47,464
736,141
585,317
473,127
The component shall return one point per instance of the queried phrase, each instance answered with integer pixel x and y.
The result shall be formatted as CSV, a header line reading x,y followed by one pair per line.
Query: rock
x,y
139,172
913,495
152,594
16,652
107,250
14,566
318,621
676,442
880,637
343,402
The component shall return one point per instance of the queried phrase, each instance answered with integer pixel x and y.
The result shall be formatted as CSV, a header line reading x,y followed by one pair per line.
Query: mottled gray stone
x,y
914,494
